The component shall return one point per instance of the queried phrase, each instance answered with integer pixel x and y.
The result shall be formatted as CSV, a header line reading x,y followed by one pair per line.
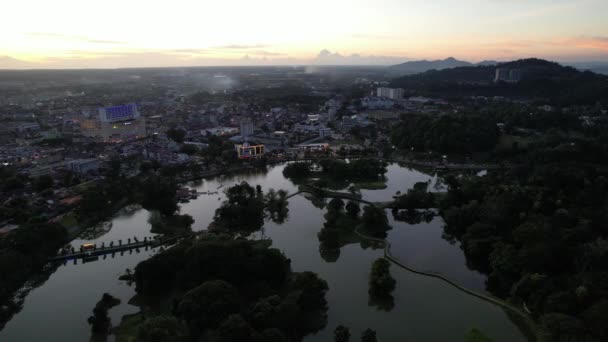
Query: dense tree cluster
x,y
539,231
337,169
374,221
297,170
381,285
461,134
234,290
24,252
243,210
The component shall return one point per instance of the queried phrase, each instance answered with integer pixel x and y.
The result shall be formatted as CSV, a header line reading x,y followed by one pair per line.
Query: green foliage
x,y
236,329
341,334
240,262
357,169
276,205
42,183
209,304
540,238
374,221
161,329
25,251
159,194
297,170
176,134
171,225
353,209
462,134
416,198
243,210
236,290
381,282
368,335
475,335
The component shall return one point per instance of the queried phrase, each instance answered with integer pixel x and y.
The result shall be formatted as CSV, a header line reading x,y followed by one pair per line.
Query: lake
x,y
425,309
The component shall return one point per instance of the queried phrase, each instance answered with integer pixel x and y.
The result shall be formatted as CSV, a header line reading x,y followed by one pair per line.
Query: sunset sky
x,y
128,33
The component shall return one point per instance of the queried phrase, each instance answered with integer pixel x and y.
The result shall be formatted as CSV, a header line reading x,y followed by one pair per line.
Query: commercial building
x,y
116,124
246,151
507,75
391,93
246,128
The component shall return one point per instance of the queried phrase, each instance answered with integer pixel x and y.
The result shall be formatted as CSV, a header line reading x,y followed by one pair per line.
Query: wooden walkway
x,y
104,250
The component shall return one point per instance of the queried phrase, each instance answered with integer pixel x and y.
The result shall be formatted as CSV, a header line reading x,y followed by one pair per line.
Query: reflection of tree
x,y
381,285
382,302
365,244
277,205
318,202
413,216
96,231
329,254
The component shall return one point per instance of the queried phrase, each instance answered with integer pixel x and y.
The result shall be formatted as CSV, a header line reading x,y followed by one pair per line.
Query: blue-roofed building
x,y
119,113
117,123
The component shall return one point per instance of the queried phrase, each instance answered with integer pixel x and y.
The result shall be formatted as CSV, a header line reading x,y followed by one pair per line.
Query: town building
x,y
115,124
507,75
246,128
246,151
391,93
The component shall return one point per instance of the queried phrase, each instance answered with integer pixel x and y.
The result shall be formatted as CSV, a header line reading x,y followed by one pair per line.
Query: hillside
x,y
541,80
416,67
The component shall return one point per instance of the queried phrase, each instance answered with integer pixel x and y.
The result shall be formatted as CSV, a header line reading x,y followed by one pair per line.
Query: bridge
x,y
96,251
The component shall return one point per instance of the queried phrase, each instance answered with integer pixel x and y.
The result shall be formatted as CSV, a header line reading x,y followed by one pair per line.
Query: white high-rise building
x,y
391,93
246,128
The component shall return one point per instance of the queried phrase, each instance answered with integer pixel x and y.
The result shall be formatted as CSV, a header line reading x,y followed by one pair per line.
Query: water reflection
x,y
421,309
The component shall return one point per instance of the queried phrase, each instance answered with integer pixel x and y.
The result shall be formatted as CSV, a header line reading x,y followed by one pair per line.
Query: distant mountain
x,y
7,62
482,63
539,80
416,67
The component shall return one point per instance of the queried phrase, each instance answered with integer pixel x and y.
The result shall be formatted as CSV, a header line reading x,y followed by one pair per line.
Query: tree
x,y
243,210
341,334
235,329
42,183
380,280
297,170
312,291
368,335
176,134
161,329
353,209
209,304
475,335
374,221
336,205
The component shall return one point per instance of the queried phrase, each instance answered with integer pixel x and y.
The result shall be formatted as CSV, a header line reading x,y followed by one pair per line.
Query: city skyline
x,y
112,34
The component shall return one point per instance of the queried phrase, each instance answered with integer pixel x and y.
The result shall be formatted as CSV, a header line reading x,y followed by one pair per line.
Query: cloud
x,y
595,43
326,57
48,35
241,47
8,62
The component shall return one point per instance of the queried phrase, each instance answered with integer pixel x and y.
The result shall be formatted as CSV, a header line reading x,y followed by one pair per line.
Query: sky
x,y
149,33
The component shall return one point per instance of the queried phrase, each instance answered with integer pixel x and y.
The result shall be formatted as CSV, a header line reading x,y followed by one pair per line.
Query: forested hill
x,y
541,80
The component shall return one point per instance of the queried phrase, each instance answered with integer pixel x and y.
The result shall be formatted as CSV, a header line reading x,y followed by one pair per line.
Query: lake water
x,y
425,309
